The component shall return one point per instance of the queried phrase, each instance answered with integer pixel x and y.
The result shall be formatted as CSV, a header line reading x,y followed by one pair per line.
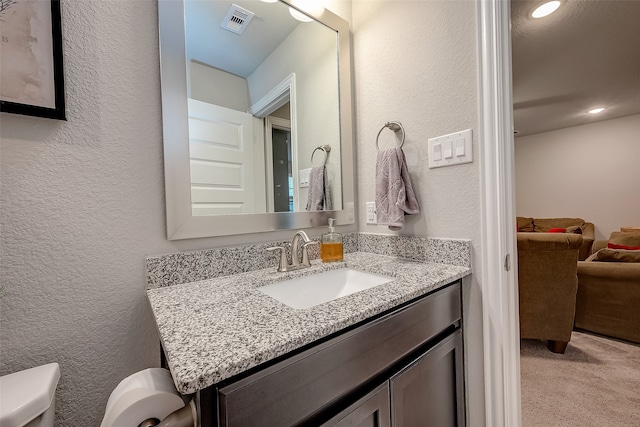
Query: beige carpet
x,y
595,383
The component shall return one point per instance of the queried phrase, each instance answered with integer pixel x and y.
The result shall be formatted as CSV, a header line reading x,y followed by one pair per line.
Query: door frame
x,y
501,336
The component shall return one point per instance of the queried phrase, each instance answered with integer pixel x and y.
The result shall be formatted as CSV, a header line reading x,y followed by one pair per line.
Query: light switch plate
x,y
449,150
371,213
303,176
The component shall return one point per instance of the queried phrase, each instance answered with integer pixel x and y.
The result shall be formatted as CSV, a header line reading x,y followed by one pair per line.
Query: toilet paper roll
x,y
141,396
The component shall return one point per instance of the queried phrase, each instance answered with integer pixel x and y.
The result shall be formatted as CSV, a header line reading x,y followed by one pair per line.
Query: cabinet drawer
x,y
294,389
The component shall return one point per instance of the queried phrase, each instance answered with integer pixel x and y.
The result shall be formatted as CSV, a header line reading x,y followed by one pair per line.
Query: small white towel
x,y
395,196
319,190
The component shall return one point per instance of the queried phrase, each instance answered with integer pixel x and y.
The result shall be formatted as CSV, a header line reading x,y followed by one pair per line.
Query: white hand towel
x,y
319,190
395,196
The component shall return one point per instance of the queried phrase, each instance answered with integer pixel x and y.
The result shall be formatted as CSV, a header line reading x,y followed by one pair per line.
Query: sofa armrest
x,y
588,237
609,272
548,241
547,284
589,231
608,299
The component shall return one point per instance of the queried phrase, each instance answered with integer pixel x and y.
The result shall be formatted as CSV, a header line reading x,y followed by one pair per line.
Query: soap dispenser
x,y
331,244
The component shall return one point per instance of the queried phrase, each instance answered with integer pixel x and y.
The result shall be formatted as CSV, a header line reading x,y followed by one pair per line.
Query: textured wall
x,y
82,201
588,171
415,62
81,207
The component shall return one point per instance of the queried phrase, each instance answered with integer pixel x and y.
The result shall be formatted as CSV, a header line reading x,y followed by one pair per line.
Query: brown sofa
x,y
571,225
547,283
608,300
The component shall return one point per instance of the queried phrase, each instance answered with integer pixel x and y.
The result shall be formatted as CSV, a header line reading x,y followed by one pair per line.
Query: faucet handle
x,y
305,253
283,263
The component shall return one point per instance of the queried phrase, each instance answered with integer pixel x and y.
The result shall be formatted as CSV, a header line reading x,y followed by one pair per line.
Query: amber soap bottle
x,y
331,244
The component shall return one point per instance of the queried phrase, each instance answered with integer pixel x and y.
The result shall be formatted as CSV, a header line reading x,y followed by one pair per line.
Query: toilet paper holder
x,y
149,398
183,417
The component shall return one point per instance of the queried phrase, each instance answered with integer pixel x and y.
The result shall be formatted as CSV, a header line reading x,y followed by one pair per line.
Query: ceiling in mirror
x,y
239,54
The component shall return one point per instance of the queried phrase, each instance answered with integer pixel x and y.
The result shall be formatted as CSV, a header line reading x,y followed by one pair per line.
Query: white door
x,y
222,160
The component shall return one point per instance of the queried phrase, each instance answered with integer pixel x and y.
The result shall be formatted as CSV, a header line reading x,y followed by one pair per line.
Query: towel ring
x,y
325,148
394,126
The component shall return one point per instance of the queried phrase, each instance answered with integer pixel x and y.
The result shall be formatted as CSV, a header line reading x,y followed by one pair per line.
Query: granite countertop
x,y
216,328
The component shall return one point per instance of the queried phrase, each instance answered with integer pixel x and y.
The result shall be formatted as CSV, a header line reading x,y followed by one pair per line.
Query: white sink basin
x,y
308,291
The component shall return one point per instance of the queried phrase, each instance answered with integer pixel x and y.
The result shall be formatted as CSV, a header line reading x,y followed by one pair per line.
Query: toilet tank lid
x,y
24,395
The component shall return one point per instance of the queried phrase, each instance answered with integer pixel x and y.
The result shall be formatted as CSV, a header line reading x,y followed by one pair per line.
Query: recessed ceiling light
x,y
596,110
546,9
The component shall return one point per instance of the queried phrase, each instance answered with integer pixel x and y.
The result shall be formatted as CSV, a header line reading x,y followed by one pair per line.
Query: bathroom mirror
x,y
244,116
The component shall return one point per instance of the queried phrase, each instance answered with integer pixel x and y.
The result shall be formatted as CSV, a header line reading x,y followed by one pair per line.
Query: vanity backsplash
x,y
185,267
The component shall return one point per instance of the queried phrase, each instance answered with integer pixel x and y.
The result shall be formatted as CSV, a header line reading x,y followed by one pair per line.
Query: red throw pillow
x,y
556,230
629,248
624,240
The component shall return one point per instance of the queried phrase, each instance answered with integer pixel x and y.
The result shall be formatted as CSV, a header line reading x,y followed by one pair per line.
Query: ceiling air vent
x,y
237,19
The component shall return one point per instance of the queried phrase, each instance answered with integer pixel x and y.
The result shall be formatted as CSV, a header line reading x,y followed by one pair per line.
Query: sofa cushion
x,y
615,255
545,224
524,224
629,240
576,229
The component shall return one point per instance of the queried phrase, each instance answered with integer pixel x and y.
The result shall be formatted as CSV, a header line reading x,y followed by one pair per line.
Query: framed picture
x,y
31,70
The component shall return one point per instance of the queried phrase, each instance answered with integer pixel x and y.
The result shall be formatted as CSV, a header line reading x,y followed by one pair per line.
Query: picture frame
x,y
31,58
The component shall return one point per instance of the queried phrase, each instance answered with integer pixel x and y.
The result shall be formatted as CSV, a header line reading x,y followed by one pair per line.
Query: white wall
x,y
209,84
415,62
588,171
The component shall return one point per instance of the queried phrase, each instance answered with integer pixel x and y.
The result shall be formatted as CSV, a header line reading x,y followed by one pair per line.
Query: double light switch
x,y
452,149
303,176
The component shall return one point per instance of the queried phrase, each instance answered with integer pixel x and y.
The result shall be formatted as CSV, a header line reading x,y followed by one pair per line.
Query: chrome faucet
x,y
298,260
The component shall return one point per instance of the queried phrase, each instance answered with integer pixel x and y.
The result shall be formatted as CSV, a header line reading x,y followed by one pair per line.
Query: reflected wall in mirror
x,y
249,94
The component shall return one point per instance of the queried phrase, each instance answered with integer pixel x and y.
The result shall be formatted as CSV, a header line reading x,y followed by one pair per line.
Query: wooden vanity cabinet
x,y
427,392
402,368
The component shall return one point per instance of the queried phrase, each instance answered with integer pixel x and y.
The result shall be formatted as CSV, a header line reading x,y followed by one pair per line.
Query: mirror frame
x,y
181,223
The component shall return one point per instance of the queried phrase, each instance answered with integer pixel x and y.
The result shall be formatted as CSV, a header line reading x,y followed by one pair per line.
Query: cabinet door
x,y
373,410
429,392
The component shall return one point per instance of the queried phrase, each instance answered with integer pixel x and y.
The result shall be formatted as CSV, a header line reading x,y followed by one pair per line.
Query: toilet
x,y
27,398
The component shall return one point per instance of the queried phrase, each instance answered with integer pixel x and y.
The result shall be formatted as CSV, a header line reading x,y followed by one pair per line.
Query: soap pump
x,y
331,244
